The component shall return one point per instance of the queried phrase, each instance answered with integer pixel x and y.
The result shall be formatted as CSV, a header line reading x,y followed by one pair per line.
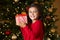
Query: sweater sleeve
x,y
36,32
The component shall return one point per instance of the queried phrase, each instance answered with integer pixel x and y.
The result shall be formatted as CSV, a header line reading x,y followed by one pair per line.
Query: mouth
x,y
33,15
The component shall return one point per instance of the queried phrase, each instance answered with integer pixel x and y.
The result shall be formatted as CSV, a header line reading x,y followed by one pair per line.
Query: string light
x,y
14,37
16,0
8,9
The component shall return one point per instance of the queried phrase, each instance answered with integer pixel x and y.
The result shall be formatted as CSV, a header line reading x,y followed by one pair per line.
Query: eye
x,y
30,12
35,11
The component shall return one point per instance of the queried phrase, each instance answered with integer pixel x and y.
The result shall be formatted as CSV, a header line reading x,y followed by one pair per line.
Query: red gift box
x,y
21,17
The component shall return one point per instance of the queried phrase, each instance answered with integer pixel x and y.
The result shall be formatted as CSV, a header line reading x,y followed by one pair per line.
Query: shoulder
x,y
39,21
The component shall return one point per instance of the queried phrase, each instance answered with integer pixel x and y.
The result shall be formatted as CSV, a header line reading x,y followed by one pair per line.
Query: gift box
x,y
21,18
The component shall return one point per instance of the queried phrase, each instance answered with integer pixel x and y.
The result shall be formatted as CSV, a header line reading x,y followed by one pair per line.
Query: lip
x,y
33,16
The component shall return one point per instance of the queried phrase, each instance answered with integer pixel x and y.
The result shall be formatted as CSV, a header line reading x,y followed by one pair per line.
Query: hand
x,y
22,24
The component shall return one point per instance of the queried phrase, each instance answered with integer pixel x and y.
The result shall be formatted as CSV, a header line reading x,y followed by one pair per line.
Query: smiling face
x,y
33,13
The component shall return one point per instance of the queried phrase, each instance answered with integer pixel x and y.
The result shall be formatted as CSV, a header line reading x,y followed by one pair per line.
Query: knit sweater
x,y
33,31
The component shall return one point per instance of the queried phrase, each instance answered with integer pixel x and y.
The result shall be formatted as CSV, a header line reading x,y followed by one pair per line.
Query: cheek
x,y
30,14
36,14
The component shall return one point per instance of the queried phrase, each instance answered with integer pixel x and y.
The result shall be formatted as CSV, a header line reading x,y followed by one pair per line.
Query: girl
x,y
34,30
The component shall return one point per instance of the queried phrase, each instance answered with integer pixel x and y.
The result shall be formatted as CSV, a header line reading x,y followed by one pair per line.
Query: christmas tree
x,y
9,8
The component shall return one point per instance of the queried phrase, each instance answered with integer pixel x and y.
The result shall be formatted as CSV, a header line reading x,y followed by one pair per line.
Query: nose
x,y
32,13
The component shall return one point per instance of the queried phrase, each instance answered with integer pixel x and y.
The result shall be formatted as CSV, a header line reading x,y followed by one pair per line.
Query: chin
x,y
33,19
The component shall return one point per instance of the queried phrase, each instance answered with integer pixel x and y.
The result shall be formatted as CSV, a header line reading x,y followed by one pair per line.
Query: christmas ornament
x,y
17,34
48,17
22,9
16,10
14,37
7,18
9,39
46,7
57,35
53,30
20,2
7,32
48,38
53,34
16,0
50,9
8,9
36,2
13,2
1,32
44,11
21,17
2,14
5,24
50,34
27,8
48,24
42,3
52,6
44,24
53,19
14,13
6,36
26,3
18,7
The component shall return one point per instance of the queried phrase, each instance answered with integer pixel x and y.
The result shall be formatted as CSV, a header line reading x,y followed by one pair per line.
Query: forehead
x,y
33,8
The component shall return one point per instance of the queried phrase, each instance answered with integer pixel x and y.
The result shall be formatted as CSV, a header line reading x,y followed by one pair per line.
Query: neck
x,y
33,21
